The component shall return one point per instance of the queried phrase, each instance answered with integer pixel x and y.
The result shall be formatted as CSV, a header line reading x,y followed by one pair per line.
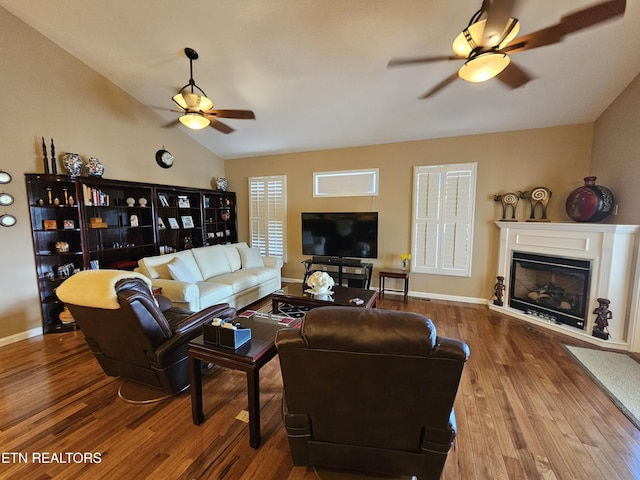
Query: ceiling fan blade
x,y
592,15
498,15
514,76
394,62
241,114
218,125
570,23
440,86
172,123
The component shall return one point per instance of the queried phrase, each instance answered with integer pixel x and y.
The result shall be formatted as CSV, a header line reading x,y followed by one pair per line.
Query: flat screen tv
x,y
347,234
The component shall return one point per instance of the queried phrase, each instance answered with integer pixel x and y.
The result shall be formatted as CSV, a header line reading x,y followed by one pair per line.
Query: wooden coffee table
x,y
249,358
295,294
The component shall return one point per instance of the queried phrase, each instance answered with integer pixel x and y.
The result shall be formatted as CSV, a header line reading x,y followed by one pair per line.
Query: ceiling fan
x,y
197,110
491,34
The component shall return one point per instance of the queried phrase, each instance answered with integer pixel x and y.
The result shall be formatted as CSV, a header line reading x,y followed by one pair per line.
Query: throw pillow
x,y
251,258
180,271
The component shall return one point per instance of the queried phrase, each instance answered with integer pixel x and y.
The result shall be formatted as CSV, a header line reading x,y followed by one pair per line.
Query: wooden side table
x,y
394,273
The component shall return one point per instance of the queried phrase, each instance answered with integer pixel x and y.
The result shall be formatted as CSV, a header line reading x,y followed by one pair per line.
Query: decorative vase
x,y
73,163
94,167
221,184
590,203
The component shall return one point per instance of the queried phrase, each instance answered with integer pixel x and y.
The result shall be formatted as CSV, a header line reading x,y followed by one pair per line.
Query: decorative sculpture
x,y
537,196
54,165
498,291
603,315
46,161
508,200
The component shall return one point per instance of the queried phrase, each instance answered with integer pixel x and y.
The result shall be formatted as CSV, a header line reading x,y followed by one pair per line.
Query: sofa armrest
x,y
176,291
273,262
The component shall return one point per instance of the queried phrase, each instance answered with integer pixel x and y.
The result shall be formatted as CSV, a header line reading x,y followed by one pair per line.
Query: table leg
x,y
274,305
253,389
406,288
195,378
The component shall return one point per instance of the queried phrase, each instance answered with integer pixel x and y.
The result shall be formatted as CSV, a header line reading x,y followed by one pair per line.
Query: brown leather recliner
x,y
370,390
133,334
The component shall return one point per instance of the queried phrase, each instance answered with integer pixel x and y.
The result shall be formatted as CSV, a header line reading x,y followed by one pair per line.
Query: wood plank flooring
x,y
524,410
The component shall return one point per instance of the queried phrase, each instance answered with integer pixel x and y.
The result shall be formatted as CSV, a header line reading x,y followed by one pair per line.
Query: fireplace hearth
x,y
550,287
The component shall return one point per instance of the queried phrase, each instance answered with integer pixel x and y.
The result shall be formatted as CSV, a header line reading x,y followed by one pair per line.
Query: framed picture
x,y
173,223
163,200
50,224
183,201
133,220
207,202
187,221
161,224
69,224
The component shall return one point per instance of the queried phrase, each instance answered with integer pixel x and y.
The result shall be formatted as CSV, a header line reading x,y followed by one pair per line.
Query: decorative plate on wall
x,y
6,199
4,177
7,220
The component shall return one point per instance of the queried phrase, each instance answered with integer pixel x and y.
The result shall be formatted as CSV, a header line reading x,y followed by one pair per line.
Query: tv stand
x,y
339,269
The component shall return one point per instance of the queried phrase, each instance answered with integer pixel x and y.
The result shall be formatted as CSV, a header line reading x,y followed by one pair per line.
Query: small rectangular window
x,y
346,183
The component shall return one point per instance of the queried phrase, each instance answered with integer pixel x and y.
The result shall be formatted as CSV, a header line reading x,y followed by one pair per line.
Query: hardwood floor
x,y
524,410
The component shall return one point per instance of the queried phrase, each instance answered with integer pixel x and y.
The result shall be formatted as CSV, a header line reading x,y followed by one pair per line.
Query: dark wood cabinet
x,y
90,222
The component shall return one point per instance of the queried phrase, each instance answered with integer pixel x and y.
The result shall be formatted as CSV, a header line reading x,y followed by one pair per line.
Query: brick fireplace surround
x,y
615,273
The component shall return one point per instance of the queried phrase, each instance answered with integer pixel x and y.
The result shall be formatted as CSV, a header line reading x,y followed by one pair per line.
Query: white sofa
x,y
197,278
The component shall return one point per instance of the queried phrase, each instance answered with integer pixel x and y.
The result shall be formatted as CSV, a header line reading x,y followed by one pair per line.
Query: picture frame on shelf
x,y
207,202
161,224
50,224
183,201
187,221
173,223
69,224
163,200
133,220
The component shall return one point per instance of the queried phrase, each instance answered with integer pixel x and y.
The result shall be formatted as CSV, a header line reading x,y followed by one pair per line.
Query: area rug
x,y
617,374
285,309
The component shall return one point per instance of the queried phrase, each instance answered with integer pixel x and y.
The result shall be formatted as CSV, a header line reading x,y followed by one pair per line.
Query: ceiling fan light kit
x,y
490,37
471,38
192,101
483,67
194,121
198,110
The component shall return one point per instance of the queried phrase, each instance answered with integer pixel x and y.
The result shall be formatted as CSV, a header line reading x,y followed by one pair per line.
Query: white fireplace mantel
x,y
613,252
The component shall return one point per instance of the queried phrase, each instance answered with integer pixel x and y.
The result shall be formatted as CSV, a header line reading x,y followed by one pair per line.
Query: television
x,y
346,234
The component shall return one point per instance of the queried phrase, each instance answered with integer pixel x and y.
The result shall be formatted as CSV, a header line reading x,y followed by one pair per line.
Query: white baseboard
x,y
425,295
34,332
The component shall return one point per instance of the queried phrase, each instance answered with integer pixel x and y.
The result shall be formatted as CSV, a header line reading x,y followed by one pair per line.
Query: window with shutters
x,y
268,215
443,217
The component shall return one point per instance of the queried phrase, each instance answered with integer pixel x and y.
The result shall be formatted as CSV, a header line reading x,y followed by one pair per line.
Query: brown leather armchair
x,y
370,390
133,334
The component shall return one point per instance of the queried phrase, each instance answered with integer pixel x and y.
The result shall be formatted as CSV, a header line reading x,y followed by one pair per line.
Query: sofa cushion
x,y
251,258
231,251
179,270
212,261
263,274
157,267
238,281
212,293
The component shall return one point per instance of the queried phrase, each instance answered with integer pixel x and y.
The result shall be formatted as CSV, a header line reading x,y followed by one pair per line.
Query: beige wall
x,y
557,158
49,93
616,153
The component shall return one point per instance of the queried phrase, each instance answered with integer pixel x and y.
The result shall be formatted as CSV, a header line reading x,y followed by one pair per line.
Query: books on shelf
x,y
94,197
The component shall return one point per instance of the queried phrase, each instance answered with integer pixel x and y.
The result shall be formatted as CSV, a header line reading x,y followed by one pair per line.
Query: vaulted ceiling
x,y
315,71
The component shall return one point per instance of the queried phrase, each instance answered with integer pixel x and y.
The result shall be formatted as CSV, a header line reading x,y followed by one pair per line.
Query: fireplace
x,y
550,287
553,274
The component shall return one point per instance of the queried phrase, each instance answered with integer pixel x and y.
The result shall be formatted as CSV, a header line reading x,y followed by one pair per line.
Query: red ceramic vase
x,y
590,203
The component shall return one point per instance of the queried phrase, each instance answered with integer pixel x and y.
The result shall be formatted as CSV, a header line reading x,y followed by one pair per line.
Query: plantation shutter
x,y
268,214
443,216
